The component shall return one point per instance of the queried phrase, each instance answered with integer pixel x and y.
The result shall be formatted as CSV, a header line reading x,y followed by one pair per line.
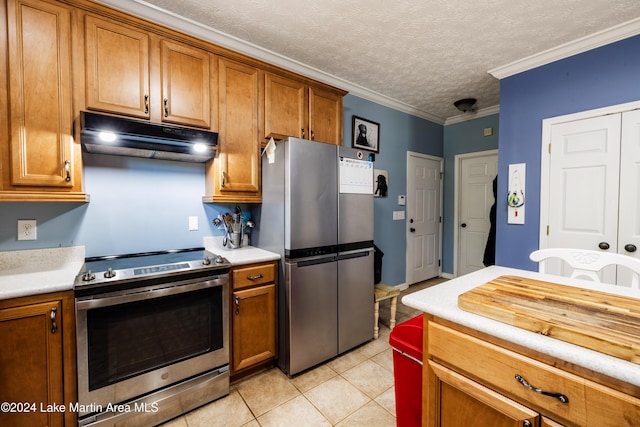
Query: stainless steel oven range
x,y
152,336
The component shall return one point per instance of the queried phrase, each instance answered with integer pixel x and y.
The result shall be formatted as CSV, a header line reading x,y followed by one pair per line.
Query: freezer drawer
x,y
311,329
355,298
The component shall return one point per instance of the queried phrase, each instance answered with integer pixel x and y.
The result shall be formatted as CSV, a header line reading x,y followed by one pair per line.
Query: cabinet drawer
x,y
588,403
253,275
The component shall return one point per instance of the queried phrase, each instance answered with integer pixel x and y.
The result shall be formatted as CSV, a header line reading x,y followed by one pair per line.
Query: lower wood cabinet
x,y
37,360
253,317
469,381
464,402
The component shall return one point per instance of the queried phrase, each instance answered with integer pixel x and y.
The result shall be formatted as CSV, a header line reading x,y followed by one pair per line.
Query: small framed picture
x,y
380,183
366,134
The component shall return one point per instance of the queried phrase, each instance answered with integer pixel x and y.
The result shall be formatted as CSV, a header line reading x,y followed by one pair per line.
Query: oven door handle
x,y
140,294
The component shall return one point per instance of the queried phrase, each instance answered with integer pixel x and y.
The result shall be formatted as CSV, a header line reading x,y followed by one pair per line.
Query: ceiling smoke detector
x,y
466,104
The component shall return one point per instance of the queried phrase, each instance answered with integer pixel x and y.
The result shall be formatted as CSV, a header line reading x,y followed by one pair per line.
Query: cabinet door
x,y
31,363
285,107
117,68
325,116
461,402
186,85
254,326
40,91
236,171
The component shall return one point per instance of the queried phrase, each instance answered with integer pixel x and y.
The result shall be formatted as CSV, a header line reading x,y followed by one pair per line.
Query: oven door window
x,y
133,338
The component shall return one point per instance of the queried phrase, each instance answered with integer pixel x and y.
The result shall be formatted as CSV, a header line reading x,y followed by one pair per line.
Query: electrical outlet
x,y
27,229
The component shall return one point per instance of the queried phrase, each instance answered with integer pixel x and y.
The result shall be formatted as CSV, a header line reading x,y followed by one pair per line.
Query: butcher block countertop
x,y
547,334
593,319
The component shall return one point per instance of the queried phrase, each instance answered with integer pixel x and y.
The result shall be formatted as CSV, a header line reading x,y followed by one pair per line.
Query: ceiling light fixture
x,y
466,104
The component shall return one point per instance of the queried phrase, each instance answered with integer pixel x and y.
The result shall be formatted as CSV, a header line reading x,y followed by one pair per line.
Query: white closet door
x,y
583,191
629,202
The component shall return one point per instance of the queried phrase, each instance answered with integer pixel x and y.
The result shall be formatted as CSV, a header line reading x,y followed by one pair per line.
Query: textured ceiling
x,y
422,53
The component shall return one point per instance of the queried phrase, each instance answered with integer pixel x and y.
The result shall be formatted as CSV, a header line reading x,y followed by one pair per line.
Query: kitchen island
x,y
471,361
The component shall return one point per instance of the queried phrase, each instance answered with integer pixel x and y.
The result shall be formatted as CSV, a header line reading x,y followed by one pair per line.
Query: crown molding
x,y
160,16
483,112
593,41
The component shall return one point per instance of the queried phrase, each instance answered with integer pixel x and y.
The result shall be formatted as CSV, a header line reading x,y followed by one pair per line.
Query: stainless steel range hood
x,y
103,134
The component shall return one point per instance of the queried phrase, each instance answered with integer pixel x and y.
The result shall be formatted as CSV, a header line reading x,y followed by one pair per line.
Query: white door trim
x,y
407,232
456,203
545,165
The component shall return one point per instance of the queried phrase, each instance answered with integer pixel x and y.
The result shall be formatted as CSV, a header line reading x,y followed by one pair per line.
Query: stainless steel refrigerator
x,y
317,213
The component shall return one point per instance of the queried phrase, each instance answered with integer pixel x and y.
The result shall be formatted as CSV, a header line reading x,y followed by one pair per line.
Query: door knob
x,y
463,225
630,248
603,245
413,230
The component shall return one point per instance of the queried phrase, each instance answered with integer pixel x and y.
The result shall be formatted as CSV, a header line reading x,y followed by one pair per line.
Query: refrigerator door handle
x,y
355,254
314,261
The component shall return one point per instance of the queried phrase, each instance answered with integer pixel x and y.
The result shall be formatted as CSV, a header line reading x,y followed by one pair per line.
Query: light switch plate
x,y
193,223
398,215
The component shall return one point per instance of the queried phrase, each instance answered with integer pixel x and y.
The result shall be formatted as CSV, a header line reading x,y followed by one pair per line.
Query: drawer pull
x,y
561,397
256,277
237,303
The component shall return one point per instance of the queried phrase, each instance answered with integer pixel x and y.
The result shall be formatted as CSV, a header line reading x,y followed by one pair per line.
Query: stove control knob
x,y
88,276
219,259
206,261
109,274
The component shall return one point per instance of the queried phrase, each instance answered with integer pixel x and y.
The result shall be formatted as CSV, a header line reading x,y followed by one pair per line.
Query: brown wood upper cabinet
x,y
293,108
234,175
40,155
186,84
124,76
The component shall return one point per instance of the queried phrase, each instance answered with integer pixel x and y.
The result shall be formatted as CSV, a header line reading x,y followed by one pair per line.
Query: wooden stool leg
x,y
392,322
376,308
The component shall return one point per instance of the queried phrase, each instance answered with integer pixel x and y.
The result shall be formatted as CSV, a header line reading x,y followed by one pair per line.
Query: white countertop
x,y
442,301
39,271
240,256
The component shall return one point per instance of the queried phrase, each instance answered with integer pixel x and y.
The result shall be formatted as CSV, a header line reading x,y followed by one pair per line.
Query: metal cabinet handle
x,y
630,247
237,304
67,169
54,325
603,245
561,397
146,104
223,179
302,130
413,230
313,136
463,225
166,107
256,277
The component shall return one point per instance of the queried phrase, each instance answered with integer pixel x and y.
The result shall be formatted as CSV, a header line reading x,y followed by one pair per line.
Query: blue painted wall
x,y
399,133
461,138
598,78
136,205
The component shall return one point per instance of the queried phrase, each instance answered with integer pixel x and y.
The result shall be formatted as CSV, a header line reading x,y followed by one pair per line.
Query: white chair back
x,y
587,263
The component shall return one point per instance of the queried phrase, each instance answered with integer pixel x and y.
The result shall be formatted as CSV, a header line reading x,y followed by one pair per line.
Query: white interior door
x,y
424,207
594,172
629,200
475,197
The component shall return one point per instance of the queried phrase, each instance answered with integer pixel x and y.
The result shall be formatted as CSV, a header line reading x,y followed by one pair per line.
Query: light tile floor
x,y
354,389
